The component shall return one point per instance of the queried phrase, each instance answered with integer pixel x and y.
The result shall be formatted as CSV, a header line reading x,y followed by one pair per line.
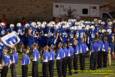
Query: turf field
x,y
105,72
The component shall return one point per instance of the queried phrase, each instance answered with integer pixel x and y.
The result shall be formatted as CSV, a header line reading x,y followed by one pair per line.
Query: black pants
x,y
69,64
4,71
93,60
75,62
64,66
105,54
34,69
51,68
82,61
59,67
45,69
99,59
24,70
13,70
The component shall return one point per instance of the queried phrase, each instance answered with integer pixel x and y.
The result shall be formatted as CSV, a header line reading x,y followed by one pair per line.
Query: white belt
x,y
58,58
76,53
45,60
69,55
51,58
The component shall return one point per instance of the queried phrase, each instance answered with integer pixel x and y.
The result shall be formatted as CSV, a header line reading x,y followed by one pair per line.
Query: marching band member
x,y
30,39
82,52
21,32
46,56
99,53
64,62
105,51
51,61
14,61
6,62
69,57
93,57
76,52
36,56
59,54
25,62
12,27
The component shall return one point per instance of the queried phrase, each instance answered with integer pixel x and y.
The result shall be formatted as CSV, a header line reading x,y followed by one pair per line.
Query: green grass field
x,y
105,72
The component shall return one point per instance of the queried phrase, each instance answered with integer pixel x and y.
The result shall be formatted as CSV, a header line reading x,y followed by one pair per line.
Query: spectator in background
x,y
4,20
23,21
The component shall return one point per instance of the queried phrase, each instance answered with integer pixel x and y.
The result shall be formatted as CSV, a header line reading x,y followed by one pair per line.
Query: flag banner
x,y
10,39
